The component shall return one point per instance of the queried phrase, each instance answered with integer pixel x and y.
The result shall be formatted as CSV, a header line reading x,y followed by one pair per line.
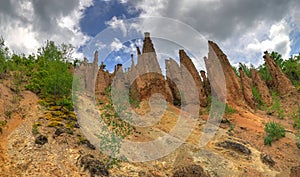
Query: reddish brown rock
x,y
261,87
146,77
218,60
148,45
246,83
206,84
102,82
187,62
174,78
281,83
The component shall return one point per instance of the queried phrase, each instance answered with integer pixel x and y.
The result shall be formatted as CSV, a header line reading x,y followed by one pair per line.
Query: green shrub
x,y
268,140
274,132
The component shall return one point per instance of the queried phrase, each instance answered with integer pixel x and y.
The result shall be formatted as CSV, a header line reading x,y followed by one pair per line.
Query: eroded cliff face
x,y
102,82
262,88
216,57
146,77
281,83
182,84
246,83
86,74
185,61
206,84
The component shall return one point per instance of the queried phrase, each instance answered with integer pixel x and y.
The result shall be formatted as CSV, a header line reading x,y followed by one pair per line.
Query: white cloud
x,y
116,23
278,40
118,59
243,29
116,45
26,25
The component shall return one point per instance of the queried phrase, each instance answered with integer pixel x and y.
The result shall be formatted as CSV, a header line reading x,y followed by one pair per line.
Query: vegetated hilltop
x,y
40,131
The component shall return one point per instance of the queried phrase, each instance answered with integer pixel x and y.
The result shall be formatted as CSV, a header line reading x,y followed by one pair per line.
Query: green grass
x,y
276,107
274,132
257,97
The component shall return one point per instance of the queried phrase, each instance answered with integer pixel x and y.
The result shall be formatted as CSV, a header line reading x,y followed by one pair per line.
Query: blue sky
x,y
243,29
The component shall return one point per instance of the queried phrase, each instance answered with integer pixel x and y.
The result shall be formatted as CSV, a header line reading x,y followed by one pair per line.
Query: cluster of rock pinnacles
x,y
145,78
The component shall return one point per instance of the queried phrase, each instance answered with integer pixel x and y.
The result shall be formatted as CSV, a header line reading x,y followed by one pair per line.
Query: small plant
x,y
274,132
3,123
257,97
8,113
231,127
229,109
268,140
17,80
116,127
276,107
35,130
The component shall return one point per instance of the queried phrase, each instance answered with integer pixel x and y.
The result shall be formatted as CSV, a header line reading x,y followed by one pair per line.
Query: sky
x,y
242,28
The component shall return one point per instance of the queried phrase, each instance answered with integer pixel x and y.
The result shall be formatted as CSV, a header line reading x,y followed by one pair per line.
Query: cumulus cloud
x,y
116,23
278,40
116,45
25,25
239,27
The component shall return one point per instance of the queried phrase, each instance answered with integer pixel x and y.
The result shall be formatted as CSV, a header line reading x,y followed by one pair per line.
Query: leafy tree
x,y
52,77
291,68
4,55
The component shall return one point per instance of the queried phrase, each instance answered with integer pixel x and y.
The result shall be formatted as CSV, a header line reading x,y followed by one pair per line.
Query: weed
x,y
8,113
257,97
231,127
276,107
3,123
268,140
274,132
35,130
229,109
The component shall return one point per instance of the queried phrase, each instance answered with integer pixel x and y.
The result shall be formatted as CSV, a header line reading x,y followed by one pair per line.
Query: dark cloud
x,y
27,24
222,19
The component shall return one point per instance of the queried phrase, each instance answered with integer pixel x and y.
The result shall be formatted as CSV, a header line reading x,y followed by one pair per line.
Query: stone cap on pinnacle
x,y
148,45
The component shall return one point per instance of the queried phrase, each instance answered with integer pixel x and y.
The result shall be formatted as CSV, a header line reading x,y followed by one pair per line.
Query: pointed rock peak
x,y
102,66
132,62
280,81
148,45
96,58
138,50
119,66
182,52
203,74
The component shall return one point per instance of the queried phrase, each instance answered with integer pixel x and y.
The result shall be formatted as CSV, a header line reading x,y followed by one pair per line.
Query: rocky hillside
x,y
258,134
